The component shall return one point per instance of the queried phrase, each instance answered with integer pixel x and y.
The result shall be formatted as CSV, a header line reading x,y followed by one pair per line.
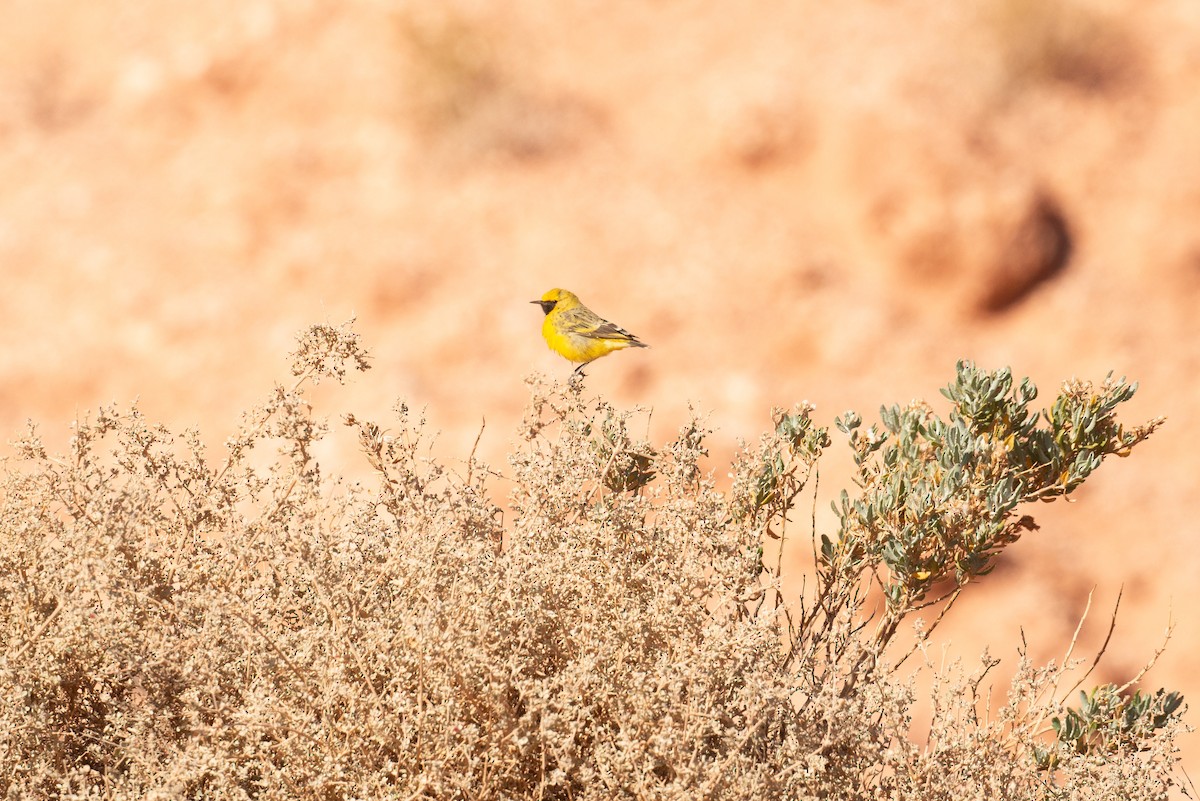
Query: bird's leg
x,y
579,370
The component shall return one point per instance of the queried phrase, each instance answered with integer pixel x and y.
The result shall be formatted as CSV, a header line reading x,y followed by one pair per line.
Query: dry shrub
x,y
180,628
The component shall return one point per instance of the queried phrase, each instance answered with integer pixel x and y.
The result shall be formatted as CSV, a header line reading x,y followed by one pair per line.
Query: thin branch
x,y
1157,653
600,481
953,596
475,447
816,491
1112,625
278,651
40,631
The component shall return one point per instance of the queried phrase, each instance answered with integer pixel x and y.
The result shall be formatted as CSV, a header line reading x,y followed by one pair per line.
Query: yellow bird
x,y
577,333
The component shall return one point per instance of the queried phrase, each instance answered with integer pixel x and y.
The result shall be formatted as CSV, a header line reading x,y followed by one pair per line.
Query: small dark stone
x,y
1039,249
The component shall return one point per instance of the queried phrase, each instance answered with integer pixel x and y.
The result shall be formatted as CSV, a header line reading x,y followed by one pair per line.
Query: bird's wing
x,y
586,323
607,330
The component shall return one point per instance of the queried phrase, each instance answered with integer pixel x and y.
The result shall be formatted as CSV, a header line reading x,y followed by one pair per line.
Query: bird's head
x,y
554,297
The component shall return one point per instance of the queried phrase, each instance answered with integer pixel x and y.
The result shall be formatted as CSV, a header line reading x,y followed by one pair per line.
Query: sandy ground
x,y
832,202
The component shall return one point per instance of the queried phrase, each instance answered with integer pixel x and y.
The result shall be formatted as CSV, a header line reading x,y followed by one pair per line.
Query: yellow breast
x,y
576,347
